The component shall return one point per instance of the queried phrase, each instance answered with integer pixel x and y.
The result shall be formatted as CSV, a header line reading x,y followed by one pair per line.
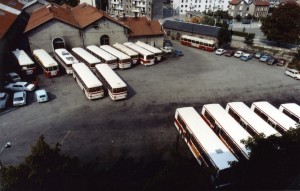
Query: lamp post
x,y
6,146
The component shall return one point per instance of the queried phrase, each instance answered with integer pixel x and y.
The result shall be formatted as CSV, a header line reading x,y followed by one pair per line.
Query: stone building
x,y
81,26
143,29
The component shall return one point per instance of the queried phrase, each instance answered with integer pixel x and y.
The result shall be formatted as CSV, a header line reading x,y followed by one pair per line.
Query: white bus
x,y
292,110
123,59
157,52
205,145
117,89
249,120
49,65
104,56
86,57
273,116
134,55
25,62
146,57
227,129
66,59
88,82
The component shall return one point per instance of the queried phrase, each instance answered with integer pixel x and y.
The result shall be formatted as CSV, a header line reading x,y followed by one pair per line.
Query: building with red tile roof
x,y
142,27
84,25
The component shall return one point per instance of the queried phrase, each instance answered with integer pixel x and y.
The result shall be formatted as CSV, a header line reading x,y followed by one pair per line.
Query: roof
x,y
86,75
261,3
274,114
248,116
141,26
204,135
79,16
256,3
293,108
111,77
22,57
229,125
192,27
86,56
9,11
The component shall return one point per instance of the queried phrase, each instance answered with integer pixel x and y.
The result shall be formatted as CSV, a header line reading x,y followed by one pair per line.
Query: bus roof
x,y
293,108
101,53
198,39
87,76
125,49
115,52
66,56
45,59
88,57
233,128
275,114
138,49
22,57
111,77
257,123
148,47
210,142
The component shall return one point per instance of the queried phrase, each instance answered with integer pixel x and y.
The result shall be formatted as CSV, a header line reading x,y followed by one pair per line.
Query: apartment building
x,y
152,9
182,6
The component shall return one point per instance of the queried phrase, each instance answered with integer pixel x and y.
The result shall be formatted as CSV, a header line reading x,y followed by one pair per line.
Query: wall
x,y
116,33
42,36
157,40
173,34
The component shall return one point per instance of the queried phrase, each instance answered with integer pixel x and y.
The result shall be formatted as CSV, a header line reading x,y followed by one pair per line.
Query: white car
x,y
220,51
3,99
167,49
293,73
41,96
20,86
19,98
238,54
13,77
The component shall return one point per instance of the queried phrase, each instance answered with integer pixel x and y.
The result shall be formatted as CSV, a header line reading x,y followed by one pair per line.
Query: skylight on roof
x,y
2,13
219,151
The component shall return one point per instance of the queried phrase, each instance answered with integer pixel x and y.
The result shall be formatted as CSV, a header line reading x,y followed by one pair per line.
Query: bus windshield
x,y
150,57
118,90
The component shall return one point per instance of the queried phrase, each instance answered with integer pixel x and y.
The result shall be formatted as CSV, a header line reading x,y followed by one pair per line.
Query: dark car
x,y
167,43
272,61
177,52
281,62
229,53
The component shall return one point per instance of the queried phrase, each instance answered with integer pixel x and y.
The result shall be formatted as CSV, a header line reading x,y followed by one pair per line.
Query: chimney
x,y
123,15
135,14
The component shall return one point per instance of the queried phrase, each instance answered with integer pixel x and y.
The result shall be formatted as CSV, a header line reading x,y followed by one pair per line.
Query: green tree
x,y
283,25
224,35
273,164
249,38
238,18
44,169
208,20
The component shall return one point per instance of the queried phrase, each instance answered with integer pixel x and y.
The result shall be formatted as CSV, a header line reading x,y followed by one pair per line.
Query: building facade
x,y
84,25
182,6
80,26
152,9
259,8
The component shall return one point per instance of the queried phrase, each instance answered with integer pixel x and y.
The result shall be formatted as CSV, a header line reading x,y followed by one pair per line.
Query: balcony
x,y
120,8
135,10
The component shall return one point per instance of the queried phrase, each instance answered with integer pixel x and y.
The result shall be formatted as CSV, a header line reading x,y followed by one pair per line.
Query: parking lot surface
x,y
142,125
